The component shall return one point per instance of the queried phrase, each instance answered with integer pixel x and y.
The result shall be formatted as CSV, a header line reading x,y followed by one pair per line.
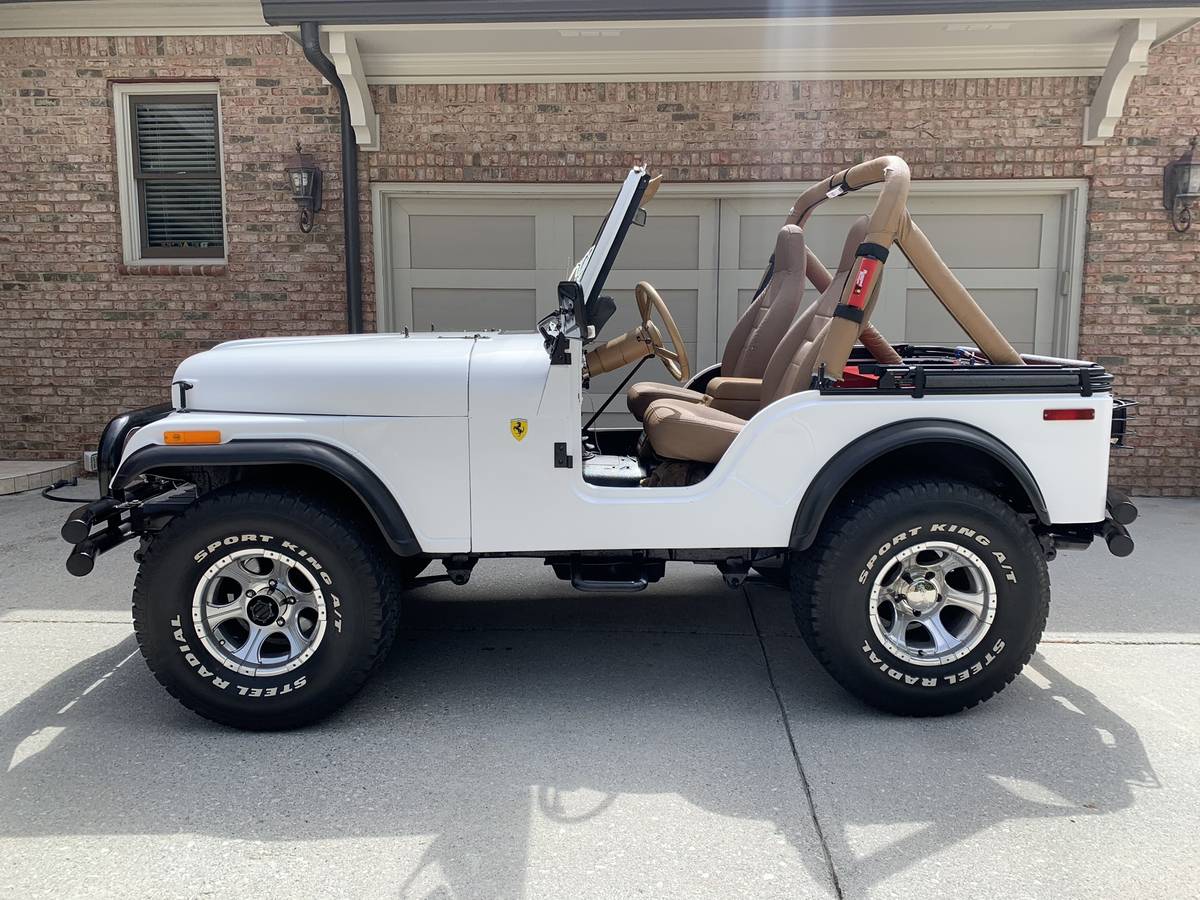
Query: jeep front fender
x,y
355,475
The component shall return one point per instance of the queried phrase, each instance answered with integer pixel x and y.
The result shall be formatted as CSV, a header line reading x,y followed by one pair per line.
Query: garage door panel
x,y
494,261
468,309
985,240
471,242
664,242
1012,310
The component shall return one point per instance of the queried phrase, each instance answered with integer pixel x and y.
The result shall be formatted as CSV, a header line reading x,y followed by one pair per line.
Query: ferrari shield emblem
x,y
519,428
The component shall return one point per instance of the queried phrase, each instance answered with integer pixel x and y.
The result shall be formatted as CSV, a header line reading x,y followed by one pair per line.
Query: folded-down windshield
x,y
591,270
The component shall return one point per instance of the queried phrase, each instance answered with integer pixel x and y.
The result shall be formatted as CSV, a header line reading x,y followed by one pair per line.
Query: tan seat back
x,y
790,368
762,326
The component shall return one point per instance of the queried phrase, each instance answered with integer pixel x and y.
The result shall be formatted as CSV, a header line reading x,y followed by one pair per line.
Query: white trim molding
x,y
343,50
131,245
1128,60
96,18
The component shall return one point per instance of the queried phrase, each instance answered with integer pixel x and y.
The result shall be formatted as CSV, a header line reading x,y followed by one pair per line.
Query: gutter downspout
x,y
310,40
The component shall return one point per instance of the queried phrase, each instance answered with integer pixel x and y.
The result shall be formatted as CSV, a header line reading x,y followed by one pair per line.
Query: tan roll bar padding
x,y
891,223
818,276
651,189
957,300
883,352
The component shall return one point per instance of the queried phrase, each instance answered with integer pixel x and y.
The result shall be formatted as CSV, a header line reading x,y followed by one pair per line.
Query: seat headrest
x,y
789,250
854,237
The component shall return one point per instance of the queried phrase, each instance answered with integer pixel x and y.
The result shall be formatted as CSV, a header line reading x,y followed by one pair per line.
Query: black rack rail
x,y
945,370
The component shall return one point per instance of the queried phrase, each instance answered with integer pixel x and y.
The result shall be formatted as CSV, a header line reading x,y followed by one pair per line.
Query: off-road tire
x,y
358,581
832,583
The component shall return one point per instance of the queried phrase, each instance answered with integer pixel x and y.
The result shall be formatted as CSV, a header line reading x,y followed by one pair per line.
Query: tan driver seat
x,y
756,334
698,432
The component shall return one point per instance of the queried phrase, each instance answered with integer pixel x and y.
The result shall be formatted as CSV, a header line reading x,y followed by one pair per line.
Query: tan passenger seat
x,y
756,334
698,432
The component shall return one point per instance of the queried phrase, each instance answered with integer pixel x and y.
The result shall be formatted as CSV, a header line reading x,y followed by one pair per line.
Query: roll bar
x,y
890,223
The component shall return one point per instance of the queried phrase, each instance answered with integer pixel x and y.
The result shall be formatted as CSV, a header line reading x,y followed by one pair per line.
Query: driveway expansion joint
x,y
787,727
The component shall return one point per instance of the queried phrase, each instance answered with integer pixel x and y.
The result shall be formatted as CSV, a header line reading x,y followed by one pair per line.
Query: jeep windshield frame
x,y
587,278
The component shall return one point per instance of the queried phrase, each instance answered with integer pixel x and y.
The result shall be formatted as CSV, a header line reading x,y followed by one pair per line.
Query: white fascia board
x,y
737,65
118,18
1128,60
343,50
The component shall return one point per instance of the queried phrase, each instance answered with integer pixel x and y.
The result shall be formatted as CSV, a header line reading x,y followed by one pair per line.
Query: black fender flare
x,y
351,472
851,459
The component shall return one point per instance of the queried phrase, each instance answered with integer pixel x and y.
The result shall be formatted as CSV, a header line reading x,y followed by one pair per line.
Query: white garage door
x,y
1005,250
463,263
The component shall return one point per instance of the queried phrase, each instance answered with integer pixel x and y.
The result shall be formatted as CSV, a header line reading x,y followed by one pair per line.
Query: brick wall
x,y
79,337
64,302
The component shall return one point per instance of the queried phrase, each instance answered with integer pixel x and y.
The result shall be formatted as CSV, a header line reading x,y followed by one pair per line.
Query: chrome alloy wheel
x,y
933,603
259,612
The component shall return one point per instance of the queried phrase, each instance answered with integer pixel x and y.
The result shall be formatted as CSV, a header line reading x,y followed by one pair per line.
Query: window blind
x,y
177,167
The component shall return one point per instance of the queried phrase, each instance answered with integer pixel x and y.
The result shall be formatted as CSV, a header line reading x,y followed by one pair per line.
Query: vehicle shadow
x,y
480,738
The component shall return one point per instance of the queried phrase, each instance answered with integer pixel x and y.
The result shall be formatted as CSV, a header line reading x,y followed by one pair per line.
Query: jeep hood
x,y
338,375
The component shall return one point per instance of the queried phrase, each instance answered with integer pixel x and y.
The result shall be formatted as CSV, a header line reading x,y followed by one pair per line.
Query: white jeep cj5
x,y
909,496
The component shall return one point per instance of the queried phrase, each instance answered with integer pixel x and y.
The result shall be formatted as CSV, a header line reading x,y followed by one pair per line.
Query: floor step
x,y
18,475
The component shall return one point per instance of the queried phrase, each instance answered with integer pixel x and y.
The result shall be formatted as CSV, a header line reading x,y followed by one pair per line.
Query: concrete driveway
x,y
525,740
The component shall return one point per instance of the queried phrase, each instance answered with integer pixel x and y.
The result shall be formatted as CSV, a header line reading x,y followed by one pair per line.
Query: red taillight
x,y
1068,415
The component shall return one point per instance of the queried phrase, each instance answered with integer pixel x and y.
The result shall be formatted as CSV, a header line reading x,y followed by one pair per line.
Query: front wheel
x,y
923,598
264,608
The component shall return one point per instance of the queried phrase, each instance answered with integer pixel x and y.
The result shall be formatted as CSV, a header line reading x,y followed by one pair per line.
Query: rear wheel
x,y
923,598
263,608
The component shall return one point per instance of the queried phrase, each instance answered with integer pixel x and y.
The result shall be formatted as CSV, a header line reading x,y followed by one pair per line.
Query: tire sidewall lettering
x,y
945,530
882,551
211,671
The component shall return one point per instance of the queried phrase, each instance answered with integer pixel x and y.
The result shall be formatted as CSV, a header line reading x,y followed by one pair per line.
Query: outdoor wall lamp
x,y
304,179
1181,187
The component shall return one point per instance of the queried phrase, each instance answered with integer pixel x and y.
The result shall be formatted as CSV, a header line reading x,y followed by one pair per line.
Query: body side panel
x,y
521,502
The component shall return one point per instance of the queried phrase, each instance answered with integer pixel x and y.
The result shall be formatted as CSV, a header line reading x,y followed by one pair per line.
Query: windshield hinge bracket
x,y
559,354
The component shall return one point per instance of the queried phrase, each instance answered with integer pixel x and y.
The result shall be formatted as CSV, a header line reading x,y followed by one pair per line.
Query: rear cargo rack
x,y
944,370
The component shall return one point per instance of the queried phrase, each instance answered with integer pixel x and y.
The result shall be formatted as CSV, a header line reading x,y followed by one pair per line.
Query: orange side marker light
x,y
191,437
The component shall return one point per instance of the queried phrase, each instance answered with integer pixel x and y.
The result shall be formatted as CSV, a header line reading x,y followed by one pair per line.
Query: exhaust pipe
x,y
1117,537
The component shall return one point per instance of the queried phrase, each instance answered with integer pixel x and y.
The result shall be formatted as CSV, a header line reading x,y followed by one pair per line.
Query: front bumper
x,y
98,526
117,432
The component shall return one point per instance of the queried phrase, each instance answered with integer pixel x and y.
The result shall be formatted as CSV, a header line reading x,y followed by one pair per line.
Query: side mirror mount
x,y
571,304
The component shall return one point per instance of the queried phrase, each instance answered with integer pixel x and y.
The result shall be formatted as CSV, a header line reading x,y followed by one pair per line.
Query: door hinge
x,y
561,459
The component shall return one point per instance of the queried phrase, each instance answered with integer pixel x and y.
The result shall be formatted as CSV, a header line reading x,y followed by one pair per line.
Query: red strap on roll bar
x,y
864,279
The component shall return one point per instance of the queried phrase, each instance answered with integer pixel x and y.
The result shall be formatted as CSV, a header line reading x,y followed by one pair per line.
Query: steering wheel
x,y
675,359
644,340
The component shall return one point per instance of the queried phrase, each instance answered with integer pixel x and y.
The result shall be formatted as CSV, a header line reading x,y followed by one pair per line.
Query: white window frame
x,y
131,245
